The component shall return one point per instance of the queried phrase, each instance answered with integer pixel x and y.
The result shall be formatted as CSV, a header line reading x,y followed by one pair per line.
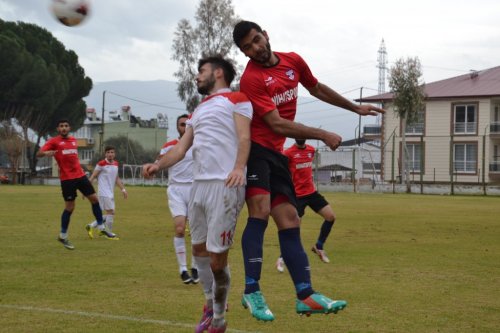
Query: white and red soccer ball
x,y
70,12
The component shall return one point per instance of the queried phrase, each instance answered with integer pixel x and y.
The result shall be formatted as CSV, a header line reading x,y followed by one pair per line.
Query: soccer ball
x,y
70,12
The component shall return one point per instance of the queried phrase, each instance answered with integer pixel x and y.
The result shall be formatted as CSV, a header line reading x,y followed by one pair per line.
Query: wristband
x,y
124,190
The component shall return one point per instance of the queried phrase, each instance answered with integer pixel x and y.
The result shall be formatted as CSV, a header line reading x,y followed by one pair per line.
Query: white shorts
x,y
214,210
107,203
178,199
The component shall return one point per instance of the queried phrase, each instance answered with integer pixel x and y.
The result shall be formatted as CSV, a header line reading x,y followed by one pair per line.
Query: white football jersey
x,y
215,144
106,179
182,171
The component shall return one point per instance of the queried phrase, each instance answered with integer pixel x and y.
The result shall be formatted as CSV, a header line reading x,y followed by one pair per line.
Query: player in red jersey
x,y
271,82
64,149
300,159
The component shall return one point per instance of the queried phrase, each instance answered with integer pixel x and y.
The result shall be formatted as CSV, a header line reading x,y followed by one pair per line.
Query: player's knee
x,y
259,208
69,206
221,277
93,198
218,262
330,218
328,214
199,250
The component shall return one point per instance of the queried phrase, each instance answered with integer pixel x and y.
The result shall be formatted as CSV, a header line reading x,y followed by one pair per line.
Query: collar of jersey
x,y
218,92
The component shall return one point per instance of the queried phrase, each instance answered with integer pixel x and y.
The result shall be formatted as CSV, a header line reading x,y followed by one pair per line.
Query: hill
x,y
148,98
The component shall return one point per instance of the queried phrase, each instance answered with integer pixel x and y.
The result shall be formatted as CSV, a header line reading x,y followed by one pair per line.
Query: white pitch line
x,y
108,316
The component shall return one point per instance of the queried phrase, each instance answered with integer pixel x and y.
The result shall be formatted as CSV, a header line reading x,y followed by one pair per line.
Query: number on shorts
x,y
227,237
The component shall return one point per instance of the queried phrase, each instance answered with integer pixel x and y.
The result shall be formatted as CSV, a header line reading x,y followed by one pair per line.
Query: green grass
x,y
405,263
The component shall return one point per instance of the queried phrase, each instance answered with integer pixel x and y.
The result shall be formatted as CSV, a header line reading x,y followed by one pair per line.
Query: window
x,y
414,156
85,155
417,127
465,157
495,125
83,133
465,119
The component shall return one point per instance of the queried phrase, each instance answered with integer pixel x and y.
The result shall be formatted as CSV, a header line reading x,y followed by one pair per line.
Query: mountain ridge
x,y
147,99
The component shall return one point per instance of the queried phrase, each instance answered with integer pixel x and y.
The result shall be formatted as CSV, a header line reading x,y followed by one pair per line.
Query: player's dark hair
x,y
185,115
61,121
242,28
219,62
108,148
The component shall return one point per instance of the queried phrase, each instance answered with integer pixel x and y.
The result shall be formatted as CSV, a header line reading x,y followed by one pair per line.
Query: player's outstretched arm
x,y
296,130
326,94
237,176
173,156
43,153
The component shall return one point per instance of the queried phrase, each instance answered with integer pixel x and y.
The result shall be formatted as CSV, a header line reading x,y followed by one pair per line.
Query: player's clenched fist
x,y
149,169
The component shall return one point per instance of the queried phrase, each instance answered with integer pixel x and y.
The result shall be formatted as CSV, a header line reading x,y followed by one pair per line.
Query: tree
x,y
12,144
128,151
40,81
212,35
409,96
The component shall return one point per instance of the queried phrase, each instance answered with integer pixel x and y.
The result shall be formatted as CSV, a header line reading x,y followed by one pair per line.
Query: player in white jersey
x,y
219,134
106,173
180,179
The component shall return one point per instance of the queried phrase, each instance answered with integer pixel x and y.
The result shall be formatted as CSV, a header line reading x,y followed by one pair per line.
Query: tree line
x,y
40,81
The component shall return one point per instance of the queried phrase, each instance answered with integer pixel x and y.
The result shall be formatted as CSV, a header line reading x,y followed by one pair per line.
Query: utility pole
x,y
359,121
101,132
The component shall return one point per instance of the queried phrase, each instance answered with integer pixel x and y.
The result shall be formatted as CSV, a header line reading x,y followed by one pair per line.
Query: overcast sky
x,y
131,39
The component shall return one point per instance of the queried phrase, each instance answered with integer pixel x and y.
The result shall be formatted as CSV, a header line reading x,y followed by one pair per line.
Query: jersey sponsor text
x,y
286,96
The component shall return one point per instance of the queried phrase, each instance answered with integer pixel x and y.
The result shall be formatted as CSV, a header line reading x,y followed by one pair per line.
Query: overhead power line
x,y
144,102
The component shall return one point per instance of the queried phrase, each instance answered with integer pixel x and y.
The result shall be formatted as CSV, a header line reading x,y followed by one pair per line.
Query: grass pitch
x,y
405,263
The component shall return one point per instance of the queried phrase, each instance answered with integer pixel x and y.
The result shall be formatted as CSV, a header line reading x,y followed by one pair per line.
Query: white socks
x,y
108,221
222,282
180,252
205,275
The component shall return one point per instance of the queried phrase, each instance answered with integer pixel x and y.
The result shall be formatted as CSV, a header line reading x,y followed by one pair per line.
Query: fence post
x,y
484,164
393,161
452,189
422,164
354,169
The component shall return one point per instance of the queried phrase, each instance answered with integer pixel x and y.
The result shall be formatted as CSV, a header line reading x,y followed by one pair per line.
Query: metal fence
x,y
432,162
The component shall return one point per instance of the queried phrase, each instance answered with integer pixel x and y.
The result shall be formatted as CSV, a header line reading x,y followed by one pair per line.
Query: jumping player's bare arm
x,y
173,156
237,176
326,94
296,130
49,153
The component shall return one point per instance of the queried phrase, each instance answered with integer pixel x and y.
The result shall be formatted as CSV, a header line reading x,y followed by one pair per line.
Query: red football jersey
x,y
66,156
300,165
276,87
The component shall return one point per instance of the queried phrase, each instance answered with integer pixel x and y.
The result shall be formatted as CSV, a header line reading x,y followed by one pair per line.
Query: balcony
x,y
495,128
372,130
495,167
415,129
465,128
